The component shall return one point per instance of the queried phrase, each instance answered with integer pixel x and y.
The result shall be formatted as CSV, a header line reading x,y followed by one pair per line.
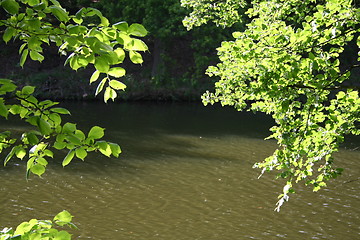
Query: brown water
x,y
185,173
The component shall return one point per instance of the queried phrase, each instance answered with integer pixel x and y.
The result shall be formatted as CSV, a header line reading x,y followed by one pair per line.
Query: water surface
x,y
185,173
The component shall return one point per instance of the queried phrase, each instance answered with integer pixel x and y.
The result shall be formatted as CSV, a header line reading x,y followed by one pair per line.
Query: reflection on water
x,y
185,173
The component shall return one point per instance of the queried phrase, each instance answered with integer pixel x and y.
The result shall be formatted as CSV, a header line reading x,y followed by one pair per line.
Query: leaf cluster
x,y
47,131
223,13
40,229
286,63
105,46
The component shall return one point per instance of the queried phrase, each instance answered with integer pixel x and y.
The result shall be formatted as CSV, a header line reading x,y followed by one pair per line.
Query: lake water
x,y
185,173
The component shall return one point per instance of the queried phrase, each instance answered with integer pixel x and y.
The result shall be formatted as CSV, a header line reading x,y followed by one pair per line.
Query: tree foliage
x,y
222,13
288,63
100,44
40,229
36,23
178,57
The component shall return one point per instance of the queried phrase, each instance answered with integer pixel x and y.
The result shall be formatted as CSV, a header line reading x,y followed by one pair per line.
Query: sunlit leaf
x,y
94,76
101,86
81,153
48,153
101,64
96,132
10,155
7,86
27,90
115,149
136,45
69,128
63,218
136,57
137,30
36,56
122,26
117,85
38,169
104,148
109,94
117,72
62,235
120,54
33,2
20,152
70,155
60,110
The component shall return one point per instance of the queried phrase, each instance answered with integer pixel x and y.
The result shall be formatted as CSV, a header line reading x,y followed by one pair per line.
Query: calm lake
x,y
185,173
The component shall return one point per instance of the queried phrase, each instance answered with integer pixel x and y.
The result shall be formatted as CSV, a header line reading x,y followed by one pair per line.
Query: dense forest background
x,y
173,68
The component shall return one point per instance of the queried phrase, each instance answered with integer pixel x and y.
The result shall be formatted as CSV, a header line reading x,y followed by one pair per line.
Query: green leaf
x,y
122,26
10,155
137,30
117,72
22,47
23,57
62,235
20,152
48,153
32,138
68,157
115,149
120,53
59,13
73,139
94,76
42,161
36,56
136,45
100,86
33,2
73,62
104,20
135,57
7,85
8,34
27,90
59,145
44,126
11,6
3,109
80,135
63,218
104,148
109,93
117,85
101,64
69,128
77,20
37,169
34,43
81,153
96,132
60,111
